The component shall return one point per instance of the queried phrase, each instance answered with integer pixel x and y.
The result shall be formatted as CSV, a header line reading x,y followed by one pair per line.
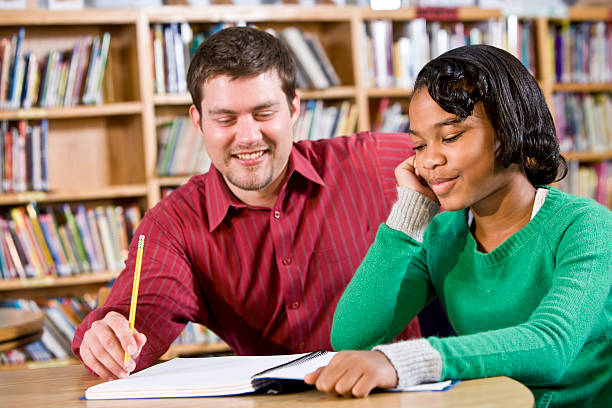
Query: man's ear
x,y
295,108
196,118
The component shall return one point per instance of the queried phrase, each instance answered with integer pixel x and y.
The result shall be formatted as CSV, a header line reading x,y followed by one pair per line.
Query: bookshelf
x,y
106,153
95,151
574,64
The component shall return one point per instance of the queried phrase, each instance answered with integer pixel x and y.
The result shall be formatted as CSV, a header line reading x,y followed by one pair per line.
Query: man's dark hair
x,y
513,102
240,52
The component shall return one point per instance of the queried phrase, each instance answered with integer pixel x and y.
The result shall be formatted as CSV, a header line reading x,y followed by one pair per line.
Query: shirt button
x,y
286,261
295,305
277,214
301,346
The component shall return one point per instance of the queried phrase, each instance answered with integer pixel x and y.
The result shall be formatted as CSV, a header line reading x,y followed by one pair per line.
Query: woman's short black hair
x,y
512,99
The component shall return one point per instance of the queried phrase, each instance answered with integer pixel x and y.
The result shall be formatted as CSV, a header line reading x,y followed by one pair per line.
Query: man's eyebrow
x,y
445,122
223,111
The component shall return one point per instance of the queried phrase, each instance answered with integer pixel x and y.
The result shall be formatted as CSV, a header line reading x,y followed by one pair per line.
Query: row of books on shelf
x,y
314,68
582,52
395,52
390,117
61,318
317,121
593,180
181,149
60,78
64,241
583,121
194,333
173,45
23,156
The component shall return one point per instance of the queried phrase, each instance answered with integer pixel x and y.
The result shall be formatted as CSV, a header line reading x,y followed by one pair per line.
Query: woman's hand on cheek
x,y
407,175
354,373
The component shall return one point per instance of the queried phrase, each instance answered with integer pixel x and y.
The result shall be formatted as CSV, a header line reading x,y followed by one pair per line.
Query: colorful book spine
x,y
74,234
86,237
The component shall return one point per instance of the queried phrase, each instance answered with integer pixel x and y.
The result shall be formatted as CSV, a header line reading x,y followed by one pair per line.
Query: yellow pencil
x,y
126,356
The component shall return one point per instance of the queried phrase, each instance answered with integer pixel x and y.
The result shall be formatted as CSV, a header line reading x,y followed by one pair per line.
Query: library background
x,y
94,127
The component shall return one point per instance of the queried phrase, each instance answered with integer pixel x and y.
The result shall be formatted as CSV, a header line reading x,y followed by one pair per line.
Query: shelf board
x,y
129,190
259,13
173,181
587,156
410,13
30,365
82,111
53,281
68,17
577,87
402,14
389,92
183,349
477,13
335,92
590,14
167,99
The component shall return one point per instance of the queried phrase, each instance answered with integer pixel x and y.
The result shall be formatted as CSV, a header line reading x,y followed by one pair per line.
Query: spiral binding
x,y
292,363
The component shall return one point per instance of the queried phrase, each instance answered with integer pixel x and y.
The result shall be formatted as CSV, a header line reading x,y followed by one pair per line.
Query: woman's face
x,y
456,157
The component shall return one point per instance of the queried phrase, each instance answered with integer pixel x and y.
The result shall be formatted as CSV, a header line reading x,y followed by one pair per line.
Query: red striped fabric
x,y
267,281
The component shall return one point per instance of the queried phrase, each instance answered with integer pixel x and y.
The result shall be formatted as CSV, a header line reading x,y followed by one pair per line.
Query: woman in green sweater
x,y
523,270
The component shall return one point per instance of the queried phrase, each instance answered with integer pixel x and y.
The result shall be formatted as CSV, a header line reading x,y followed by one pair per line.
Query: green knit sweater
x,y
538,308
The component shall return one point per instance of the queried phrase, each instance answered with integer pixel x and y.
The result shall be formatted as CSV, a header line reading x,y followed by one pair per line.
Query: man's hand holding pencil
x,y
112,345
105,344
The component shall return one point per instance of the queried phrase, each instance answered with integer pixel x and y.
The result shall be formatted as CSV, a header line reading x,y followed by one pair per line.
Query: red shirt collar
x,y
219,197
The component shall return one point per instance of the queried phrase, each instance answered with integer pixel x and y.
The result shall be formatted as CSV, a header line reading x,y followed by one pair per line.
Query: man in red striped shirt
x,y
261,247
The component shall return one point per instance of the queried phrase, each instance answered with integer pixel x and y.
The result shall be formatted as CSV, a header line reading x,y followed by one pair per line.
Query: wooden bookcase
x,y
548,80
107,153
95,152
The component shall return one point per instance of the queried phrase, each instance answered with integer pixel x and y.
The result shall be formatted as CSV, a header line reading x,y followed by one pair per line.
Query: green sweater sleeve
x,y
369,311
541,350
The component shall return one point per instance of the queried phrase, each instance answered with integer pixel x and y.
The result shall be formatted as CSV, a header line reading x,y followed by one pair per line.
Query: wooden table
x,y
19,327
63,386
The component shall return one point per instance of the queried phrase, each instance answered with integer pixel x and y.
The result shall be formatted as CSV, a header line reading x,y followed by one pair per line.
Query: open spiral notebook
x,y
224,376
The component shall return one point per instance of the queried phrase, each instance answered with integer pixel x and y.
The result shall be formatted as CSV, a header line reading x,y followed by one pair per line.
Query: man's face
x,y
247,128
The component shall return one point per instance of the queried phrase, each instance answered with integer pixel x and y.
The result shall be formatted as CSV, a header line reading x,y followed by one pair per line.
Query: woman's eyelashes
x,y
449,139
452,139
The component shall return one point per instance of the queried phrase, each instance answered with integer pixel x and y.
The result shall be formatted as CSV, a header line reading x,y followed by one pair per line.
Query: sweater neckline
x,y
516,240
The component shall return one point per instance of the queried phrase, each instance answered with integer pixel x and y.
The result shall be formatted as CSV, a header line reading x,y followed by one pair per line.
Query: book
x,y
64,267
71,252
32,212
28,241
223,376
87,238
304,57
12,254
103,57
15,88
104,228
5,59
79,246
322,58
158,58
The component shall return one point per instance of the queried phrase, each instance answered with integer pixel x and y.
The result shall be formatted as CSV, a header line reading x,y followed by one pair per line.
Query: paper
x,y
220,376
